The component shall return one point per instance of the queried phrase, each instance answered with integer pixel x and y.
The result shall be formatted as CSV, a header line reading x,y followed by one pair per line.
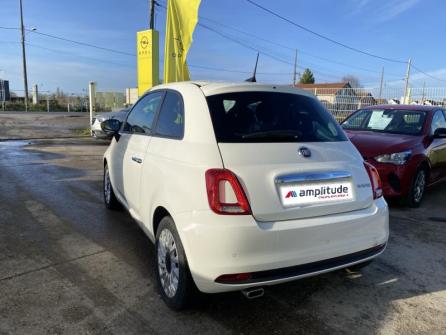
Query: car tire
x,y
110,200
417,188
358,267
172,271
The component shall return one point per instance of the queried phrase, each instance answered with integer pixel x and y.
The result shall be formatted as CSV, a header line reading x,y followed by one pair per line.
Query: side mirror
x,y
440,133
111,127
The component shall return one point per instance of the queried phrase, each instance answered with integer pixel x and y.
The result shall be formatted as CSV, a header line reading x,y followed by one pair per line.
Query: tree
x,y
307,77
354,81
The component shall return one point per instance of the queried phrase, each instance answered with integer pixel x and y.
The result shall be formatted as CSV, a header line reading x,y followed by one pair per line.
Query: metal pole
x,y
406,88
25,75
48,101
294,70
92,99
152,14
381,84
424,88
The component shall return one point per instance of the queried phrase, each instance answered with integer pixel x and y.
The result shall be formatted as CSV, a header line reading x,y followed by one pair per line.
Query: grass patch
x,y
82,131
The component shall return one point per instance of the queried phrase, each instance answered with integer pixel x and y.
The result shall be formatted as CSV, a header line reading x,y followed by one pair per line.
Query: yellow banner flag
x,y
182,16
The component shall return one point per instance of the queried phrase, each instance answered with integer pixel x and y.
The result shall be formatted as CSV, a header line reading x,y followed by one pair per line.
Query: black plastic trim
x,y
303,269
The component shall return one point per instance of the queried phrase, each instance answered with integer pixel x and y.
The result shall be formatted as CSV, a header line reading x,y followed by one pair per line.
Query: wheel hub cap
x,y
168,266
420,184
107,186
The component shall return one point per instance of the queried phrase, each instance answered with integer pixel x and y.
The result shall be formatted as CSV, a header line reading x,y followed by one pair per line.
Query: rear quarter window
x,y
171,117
271,117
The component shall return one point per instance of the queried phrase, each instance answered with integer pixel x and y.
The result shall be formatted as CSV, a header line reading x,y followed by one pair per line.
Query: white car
x,y
96,130
242,186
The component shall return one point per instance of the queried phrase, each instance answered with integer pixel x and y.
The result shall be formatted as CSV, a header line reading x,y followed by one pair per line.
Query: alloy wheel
x,y
168,266
107,186
419,186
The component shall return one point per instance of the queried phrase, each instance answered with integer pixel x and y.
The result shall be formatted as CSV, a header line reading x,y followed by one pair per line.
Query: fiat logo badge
x,y
305,152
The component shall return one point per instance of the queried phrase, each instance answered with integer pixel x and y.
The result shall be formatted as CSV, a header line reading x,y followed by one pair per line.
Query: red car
x,y
406,143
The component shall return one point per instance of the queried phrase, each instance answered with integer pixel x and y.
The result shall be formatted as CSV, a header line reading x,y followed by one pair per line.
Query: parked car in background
x,y
99,118
242,186
406,144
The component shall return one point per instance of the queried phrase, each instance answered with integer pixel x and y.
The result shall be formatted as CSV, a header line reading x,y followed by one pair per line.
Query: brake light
x,y
375,180
215,179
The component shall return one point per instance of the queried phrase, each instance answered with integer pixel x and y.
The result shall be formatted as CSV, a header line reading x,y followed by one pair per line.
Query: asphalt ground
x,y
69,266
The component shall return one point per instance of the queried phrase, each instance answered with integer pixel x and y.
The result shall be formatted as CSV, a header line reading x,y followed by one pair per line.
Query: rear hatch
x,y
289,154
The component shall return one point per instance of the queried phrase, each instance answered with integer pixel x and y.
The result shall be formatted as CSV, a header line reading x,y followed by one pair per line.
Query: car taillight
x,y
375,180
215,186
234,278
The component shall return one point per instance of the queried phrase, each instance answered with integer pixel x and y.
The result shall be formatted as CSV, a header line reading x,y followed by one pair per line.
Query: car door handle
x,y
137,159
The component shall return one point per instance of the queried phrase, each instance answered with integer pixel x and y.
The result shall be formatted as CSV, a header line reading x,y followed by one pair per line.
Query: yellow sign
x,y
182,16
148,59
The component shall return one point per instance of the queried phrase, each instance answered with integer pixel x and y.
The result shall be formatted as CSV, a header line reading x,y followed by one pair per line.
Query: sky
x,y
395,29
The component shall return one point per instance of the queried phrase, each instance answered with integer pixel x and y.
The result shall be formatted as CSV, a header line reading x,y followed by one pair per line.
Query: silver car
x,y
99,118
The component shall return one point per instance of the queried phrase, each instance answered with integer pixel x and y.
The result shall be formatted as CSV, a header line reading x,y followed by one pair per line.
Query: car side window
x,y
171,117
141,116
438,121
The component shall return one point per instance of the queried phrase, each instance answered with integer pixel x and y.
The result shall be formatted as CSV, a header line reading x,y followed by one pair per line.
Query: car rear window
x,y
262,117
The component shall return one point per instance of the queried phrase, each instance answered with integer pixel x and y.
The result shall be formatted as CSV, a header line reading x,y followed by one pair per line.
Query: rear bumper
x,y
311,268
276,252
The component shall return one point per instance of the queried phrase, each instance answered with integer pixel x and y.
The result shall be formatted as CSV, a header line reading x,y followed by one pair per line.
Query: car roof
x,y
212,88
406,107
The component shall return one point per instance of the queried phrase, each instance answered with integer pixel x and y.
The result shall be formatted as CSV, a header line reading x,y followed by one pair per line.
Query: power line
x,y
263,52
200,24
70,54
232,39
238,71
284,46
9,28
427,74
73,41
83,43
244,44
323,36
289,48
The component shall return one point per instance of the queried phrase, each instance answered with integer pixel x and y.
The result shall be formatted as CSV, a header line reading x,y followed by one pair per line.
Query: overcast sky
x,y
396,29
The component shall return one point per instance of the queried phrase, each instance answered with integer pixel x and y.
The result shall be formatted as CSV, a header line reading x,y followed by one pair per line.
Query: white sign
x,y
304,194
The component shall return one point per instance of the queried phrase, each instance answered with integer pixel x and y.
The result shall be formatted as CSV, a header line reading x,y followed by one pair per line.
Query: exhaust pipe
x,y
252,293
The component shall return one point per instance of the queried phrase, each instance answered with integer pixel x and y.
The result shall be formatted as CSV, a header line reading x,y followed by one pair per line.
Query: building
x,y
365,98
339,98
4,90
131,96
110,100
332,93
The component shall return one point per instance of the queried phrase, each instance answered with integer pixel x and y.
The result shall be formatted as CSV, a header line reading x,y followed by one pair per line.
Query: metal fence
x,y
341,102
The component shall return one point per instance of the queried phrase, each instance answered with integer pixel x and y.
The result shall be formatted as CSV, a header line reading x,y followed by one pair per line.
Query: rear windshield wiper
x,y
275,134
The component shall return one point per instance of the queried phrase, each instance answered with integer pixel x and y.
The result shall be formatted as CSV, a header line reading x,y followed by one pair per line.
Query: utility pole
x,y
295,69
25,75
406,88
152,14
92,99
381,84
424,88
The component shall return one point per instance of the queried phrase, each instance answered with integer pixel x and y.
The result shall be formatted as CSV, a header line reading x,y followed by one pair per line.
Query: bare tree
x,y
354,81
